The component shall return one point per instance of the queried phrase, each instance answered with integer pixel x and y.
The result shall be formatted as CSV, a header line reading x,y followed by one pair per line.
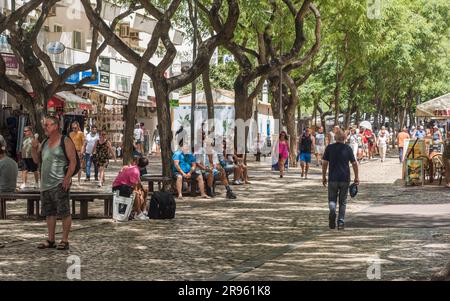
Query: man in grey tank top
x,y
56,178
332,134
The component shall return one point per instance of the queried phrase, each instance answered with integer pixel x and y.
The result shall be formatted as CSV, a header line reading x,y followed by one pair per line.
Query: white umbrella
x,y
366,125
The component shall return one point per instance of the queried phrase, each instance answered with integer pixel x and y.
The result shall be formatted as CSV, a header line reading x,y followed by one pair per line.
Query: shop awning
x,y
74,101
110,94
436,108
145,102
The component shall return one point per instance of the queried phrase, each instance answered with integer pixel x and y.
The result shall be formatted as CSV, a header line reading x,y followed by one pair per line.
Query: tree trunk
x,y
240,114
130,117
337,94
164,126
209,100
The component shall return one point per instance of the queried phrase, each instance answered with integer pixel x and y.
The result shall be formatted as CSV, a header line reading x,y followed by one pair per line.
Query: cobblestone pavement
x,y
277,229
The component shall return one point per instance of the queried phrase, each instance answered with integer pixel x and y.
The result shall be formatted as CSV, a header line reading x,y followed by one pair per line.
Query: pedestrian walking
x,y
353,142
338,156
307,146
27,159
57,169
370,141
102,152
331,135
88,151
401,142
77,137
8,169
382,142
283,152
320,145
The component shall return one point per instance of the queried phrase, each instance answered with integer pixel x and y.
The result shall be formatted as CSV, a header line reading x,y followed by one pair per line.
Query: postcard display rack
x,y
108,115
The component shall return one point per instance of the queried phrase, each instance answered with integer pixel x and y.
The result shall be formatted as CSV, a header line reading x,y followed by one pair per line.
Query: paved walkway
x,y
277,229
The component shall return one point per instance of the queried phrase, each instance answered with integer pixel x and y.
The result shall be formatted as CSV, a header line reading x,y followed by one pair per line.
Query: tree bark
x,y
130,117
164,126
209,100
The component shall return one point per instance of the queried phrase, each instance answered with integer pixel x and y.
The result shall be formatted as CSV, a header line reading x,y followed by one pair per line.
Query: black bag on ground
x,y
162,205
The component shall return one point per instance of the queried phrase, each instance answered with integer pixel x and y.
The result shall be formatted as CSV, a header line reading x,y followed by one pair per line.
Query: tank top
x,y
332,138
305,146
320,139
53,166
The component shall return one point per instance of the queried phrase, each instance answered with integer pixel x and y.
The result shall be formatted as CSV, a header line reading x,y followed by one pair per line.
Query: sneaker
x,y
87,180
332,221
23,186
231,195
99,185
142,217
341,227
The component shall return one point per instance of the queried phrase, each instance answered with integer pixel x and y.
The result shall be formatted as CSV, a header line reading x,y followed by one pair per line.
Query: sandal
x,y
63,245
47,245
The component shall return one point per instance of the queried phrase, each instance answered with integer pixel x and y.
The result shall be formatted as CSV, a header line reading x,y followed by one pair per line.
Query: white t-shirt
x,y
382,140
138,135
90,142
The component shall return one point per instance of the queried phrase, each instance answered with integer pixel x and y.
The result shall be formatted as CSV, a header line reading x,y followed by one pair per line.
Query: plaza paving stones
x,y
277,229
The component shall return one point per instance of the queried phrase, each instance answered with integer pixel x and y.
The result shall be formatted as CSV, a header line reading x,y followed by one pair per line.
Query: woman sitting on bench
x,y
128,181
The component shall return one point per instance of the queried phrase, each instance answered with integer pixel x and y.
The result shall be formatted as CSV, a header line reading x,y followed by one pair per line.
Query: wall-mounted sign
x,y
104,79
55,47
12,66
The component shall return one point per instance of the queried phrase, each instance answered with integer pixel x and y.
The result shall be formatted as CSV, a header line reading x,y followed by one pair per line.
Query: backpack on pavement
x,y
162,206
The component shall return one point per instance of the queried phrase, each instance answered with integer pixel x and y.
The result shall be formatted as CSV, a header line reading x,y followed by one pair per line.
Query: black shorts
x,y
124,190
29,165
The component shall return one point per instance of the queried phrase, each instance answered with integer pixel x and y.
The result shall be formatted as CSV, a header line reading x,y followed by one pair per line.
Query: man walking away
x,y
56,177
8,169
338,156
401,142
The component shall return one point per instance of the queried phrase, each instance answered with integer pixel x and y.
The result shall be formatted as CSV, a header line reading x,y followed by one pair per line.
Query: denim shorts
x,y
55,202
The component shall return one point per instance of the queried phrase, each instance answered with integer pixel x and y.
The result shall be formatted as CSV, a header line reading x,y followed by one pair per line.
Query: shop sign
x,y
104,79
441,113
55,47
12,66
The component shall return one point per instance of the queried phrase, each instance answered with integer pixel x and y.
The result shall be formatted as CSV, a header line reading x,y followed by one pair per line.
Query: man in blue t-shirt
x,y
420,133
184,165
338,156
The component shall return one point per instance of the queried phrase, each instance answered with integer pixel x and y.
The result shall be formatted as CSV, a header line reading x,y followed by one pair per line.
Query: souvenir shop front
x,y
108,111
13,117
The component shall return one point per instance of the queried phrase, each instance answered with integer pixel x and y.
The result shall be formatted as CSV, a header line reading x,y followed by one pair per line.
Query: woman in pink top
x,y
283,152
128,181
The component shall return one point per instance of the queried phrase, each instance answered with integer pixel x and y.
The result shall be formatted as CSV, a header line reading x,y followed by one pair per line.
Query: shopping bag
x,y
122,207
